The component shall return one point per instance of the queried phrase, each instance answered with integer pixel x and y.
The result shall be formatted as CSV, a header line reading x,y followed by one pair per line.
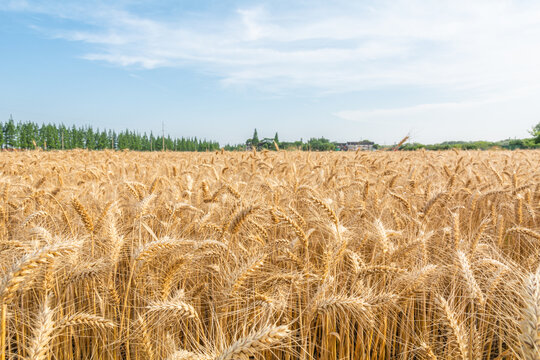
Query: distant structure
x,y
364,145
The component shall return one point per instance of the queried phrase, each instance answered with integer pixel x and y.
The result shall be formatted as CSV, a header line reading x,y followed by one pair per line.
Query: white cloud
x,y
474,46
392,113
494,118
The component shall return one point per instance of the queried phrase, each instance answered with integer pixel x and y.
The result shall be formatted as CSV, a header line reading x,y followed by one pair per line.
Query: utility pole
x,y
163,136
62,139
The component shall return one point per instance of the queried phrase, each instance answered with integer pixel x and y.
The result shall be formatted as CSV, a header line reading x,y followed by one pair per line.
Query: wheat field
x,y
272,255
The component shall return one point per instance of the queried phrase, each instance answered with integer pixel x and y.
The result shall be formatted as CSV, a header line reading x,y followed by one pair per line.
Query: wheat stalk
x,y
254,343
530,323
42,334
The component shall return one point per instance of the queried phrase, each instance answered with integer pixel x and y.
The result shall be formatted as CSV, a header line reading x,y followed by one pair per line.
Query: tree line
x,y
267,143
510,144
29,135
323,144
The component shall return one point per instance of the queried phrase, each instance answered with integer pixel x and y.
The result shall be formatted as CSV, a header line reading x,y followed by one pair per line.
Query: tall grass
x,y
273,255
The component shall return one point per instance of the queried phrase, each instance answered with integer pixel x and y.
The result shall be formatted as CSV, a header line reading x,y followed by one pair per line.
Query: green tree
x,y
10,133
63,137
535,132
124,140
32,135
48,135
22,133
52,132
145,142
113,138
152,142
77,138
103,142
169,143
27,135
90,139
320,144
255,139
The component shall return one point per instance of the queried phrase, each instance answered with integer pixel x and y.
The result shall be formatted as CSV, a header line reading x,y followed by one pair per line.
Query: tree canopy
x,y
29,135
535,132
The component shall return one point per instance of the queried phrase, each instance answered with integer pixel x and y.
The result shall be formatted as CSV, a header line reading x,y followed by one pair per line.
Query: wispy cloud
x,y
485,118
431,109
392,113
478,47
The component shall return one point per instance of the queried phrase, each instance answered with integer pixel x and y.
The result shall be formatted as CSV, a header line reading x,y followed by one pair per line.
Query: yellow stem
x,y
3,336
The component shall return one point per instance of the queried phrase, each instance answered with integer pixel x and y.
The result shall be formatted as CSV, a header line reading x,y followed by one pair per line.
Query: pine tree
x,y
76,138
255,139
145,142
152,142
28,135
63,137
10,137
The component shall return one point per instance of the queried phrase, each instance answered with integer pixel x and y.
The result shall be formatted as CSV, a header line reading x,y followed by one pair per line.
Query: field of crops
x,y
272,255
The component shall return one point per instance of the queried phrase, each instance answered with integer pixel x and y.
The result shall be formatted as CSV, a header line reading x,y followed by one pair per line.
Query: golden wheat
x,y
270,255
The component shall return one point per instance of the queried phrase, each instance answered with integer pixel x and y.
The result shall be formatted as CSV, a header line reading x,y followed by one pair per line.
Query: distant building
x,y
364,145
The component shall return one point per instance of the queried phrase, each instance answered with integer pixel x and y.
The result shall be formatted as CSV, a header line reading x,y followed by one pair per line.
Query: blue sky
x,y
345,70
